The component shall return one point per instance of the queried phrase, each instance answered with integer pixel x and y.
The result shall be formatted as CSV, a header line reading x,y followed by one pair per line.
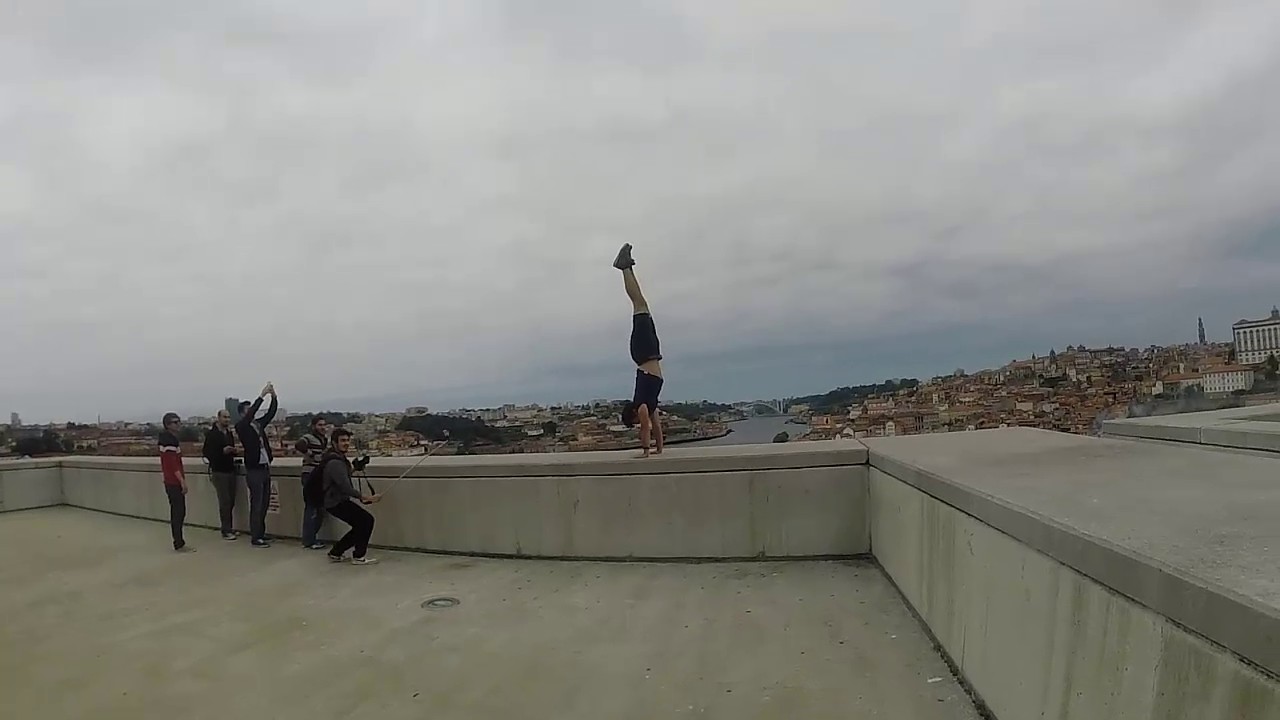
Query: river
x,y
754,430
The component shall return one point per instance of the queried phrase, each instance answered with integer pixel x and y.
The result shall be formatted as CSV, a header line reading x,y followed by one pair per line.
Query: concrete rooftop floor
x,y
101,619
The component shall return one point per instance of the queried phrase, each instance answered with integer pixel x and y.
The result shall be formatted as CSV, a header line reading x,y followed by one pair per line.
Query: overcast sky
x,y
392,203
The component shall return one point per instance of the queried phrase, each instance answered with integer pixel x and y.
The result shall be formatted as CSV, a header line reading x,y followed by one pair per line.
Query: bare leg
x,y
638,302
657,433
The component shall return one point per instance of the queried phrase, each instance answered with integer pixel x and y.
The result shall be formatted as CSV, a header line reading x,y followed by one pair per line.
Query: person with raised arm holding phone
x,y
252,431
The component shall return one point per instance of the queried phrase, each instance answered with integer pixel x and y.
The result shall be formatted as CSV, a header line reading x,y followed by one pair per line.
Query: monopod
x,y
364,476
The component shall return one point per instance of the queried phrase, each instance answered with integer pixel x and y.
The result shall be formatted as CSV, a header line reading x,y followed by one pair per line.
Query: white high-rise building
x,y
14,420
1257,339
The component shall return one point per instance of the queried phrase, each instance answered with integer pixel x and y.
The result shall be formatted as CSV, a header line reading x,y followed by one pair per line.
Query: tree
x,y
69,445
550,429
47,442
1272,367
462,430
1231,355
693,412
29,446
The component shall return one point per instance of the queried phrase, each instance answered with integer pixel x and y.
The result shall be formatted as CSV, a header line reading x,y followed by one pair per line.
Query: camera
x,y
360,463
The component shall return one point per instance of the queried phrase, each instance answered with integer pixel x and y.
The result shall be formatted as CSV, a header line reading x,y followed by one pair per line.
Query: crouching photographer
x,y
336,491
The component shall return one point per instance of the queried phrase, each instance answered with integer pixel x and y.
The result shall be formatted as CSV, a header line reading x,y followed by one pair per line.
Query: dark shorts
x,y
644,339
648,388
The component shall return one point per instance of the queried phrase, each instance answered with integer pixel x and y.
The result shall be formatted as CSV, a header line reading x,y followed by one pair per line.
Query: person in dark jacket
x,y
220,452
312,446
252,431
339,492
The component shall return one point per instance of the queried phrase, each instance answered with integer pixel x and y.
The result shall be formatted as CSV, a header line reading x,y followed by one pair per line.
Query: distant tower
x,y
230,406
14,420
1202,342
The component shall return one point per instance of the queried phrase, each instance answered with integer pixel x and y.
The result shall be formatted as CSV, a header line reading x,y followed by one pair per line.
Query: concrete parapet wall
x,y
801,500
1182,531
1036,639
26,484
1247,428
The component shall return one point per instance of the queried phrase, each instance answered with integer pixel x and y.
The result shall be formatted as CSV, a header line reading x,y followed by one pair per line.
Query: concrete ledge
x,y
1246,435
1247,428
1036,639
677,460
26,484
1188,534
746,502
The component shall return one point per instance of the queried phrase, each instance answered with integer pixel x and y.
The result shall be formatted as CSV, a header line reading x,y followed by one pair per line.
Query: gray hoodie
x,y
337,481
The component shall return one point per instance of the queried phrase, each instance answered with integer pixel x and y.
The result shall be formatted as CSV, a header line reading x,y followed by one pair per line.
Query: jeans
x,y
312,515
177,513
357,537
259,482
225,485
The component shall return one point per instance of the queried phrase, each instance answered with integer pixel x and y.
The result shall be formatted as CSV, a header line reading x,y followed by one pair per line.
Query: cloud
x,y
421,200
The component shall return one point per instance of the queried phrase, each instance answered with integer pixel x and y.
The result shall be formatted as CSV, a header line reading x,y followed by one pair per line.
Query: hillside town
x,y
1072,390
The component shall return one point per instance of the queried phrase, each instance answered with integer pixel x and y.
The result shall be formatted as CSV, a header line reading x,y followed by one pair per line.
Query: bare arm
x,y
271,409
646,428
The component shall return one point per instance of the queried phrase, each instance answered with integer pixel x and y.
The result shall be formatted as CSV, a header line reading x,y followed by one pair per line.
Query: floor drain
x,y
440,603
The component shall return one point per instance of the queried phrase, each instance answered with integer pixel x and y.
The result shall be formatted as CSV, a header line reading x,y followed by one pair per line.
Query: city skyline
x,y
421,200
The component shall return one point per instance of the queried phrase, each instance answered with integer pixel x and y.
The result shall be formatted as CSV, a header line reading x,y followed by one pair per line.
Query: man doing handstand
x,y
647,354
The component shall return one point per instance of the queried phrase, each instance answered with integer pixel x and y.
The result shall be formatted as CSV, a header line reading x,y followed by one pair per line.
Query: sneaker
x,y
624,261
364,561
316,546
230,536
183,548
260,544
337,558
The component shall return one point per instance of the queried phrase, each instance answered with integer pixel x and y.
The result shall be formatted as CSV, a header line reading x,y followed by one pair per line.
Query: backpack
x,y
313,489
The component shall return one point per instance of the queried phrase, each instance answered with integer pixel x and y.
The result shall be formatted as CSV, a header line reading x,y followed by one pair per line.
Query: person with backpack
x,y
336,491
312,446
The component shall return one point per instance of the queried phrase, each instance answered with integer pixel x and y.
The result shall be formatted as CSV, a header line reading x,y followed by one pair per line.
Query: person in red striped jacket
x,y
175,480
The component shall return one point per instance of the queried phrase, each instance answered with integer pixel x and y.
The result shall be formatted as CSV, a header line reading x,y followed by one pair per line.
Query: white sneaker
x,y
366,560
337,558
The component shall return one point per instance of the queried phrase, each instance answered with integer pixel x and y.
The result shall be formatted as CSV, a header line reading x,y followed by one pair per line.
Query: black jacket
x,y
249,434
215,443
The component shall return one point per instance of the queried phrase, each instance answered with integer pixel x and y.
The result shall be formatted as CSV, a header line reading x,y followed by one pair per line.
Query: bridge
x,y
760,407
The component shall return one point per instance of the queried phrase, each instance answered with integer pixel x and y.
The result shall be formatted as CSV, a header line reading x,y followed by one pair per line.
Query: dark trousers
x,y
357,537
312,515
259,482
225,485
177,513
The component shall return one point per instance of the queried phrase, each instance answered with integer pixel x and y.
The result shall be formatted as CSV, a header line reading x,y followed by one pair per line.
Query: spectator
x,y
220,452
257,462
312,446
175,479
